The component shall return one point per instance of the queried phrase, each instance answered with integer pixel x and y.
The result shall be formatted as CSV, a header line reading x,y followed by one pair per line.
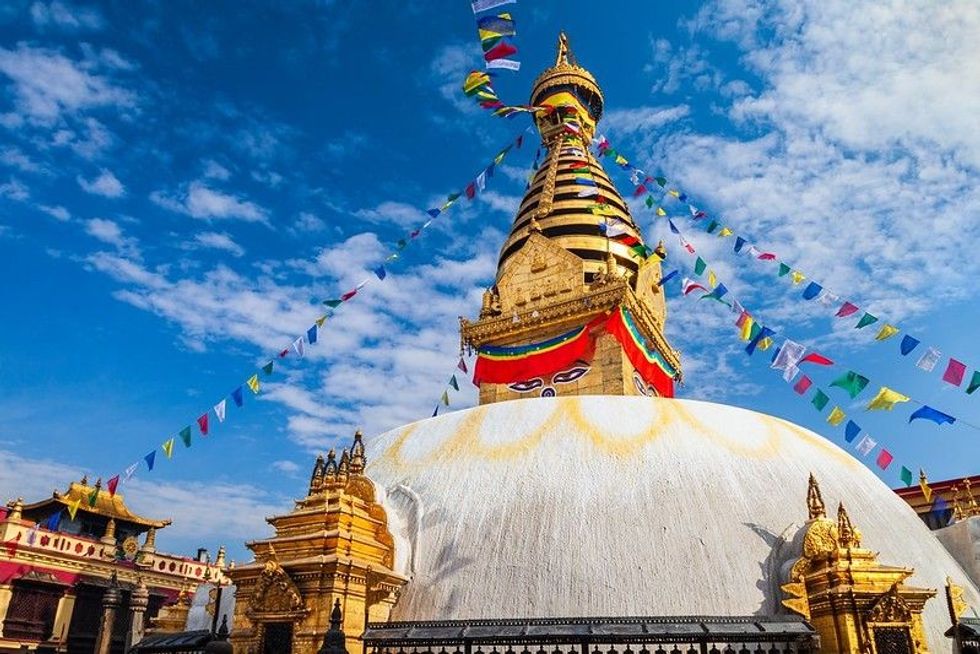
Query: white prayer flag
x,y
300,346
929,360
790,353
866,445
219,410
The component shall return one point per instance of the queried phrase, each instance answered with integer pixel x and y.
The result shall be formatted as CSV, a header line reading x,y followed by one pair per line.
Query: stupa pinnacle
x,y
576,308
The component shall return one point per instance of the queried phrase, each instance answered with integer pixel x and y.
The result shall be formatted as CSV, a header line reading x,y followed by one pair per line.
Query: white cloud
x,y
15,158
57,212
46,84
286,467
394,213
198,200
219,241
214,170
15,190
307,222
110,232
106,185
625,121
66,17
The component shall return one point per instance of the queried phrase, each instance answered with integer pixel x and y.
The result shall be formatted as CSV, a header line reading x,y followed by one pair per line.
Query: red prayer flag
x,y
202,424
640,190
884,459
499,51
348,295
766,256
802,385
471,191
112,484
283,353
846,309
954,372
818,359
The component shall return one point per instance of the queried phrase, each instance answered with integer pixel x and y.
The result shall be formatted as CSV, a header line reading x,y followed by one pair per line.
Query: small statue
x,y
491,303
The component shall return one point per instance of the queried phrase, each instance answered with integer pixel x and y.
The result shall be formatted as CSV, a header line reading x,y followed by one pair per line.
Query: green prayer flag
x,y
754,330
649,202
333,304
712,226
851,382
452,197
185,435
699,266
820,400
662,181
783,270
267,368
453,382
866,320
974,383
402,243
906,476
93,497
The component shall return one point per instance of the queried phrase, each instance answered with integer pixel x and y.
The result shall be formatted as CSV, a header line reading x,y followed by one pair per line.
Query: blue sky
x,y
180,184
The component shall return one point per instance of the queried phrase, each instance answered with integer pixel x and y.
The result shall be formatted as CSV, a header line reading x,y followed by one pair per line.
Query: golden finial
x,y
357,458
847,535
814,500
344,467
316,479
565,55
660,250
220,560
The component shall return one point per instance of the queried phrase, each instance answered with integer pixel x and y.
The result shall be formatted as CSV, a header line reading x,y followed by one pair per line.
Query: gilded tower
x,y
576,307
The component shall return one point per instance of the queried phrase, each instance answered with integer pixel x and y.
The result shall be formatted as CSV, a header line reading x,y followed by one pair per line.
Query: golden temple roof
x,y
106,504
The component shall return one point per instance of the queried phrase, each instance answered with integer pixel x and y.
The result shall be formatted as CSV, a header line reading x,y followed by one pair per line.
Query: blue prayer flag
x,y
812,290
52,523
380,272
851,431
739,244
150,458
765,332
668,277
433,212
673,227
311,335
908,344
237,396
928,413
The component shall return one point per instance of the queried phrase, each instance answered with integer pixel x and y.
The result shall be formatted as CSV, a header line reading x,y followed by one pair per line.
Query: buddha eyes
x,y
569,375
525,386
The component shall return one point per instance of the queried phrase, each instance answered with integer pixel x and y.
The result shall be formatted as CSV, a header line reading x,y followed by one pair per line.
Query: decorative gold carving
x,y
955,603
814,500
890,608
275,591
846,533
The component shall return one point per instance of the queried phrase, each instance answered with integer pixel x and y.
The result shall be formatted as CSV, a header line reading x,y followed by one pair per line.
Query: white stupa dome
x,y
619,506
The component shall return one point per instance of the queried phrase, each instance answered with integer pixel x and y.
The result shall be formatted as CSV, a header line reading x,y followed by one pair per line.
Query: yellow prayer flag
x,y
676,194
765,343
73,508
168,448
924,485
320,321
886,399
836,416
661,212
712,279
253,383
747,328
797,276
886,331
621,160
725,232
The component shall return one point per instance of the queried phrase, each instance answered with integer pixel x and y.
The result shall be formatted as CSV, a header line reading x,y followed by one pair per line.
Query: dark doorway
x,y
892,640
278,638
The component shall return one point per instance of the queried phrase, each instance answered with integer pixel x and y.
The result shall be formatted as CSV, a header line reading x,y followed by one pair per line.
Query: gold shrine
x,y
855,603
74,576
333,547
557,269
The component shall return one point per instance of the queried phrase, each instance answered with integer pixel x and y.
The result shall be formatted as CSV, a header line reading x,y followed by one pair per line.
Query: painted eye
x,y
548,392
567,376
640,386
525,386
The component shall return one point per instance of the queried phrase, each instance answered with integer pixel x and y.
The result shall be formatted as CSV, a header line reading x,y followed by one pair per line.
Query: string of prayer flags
x,y
928,413
886,399
495,32
851,382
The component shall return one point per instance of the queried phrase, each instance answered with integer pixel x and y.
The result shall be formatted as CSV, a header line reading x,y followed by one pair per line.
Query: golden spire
x,y
847,535
357,458
563,50
814,500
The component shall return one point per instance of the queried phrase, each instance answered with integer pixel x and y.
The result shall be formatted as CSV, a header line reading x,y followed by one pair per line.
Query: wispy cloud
x,y
64,16
110,232
219,241
105,184
198,200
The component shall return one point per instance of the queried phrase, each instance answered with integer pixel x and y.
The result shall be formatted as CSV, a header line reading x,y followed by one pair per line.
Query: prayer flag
x,y
711,226
803,385
865,445
764,333
846,309
462,365
739,242
906,476
219,410
299,345
51,524
928,413
886,332
820,400
712,279
401,245
453,382
168,448
434,212
673,273
268,367
311,336
253,383
829,299
699,266
333,304
73,508
929,360
783,270
954,372
886,399
661,181
236,395
816,358
112,484
445,398
673,227
852,383
435,411
796,275
661,212
941,509
866,320
769,256
725,232
974,383
502,24
836,416
150,459
588,191
484,5
130,471
812,290
908,344
507,64
499,51
851,430
924,485
348,295
380,272
885,459
640,190
787,358
747,325
649,202
185,435
717,294
688,285
202,424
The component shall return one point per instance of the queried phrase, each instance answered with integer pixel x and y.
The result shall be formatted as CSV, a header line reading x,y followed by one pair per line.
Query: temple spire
x,y
814,500
565,55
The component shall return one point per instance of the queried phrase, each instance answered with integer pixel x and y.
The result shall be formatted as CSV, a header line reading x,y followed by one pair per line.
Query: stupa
x,y
580,495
